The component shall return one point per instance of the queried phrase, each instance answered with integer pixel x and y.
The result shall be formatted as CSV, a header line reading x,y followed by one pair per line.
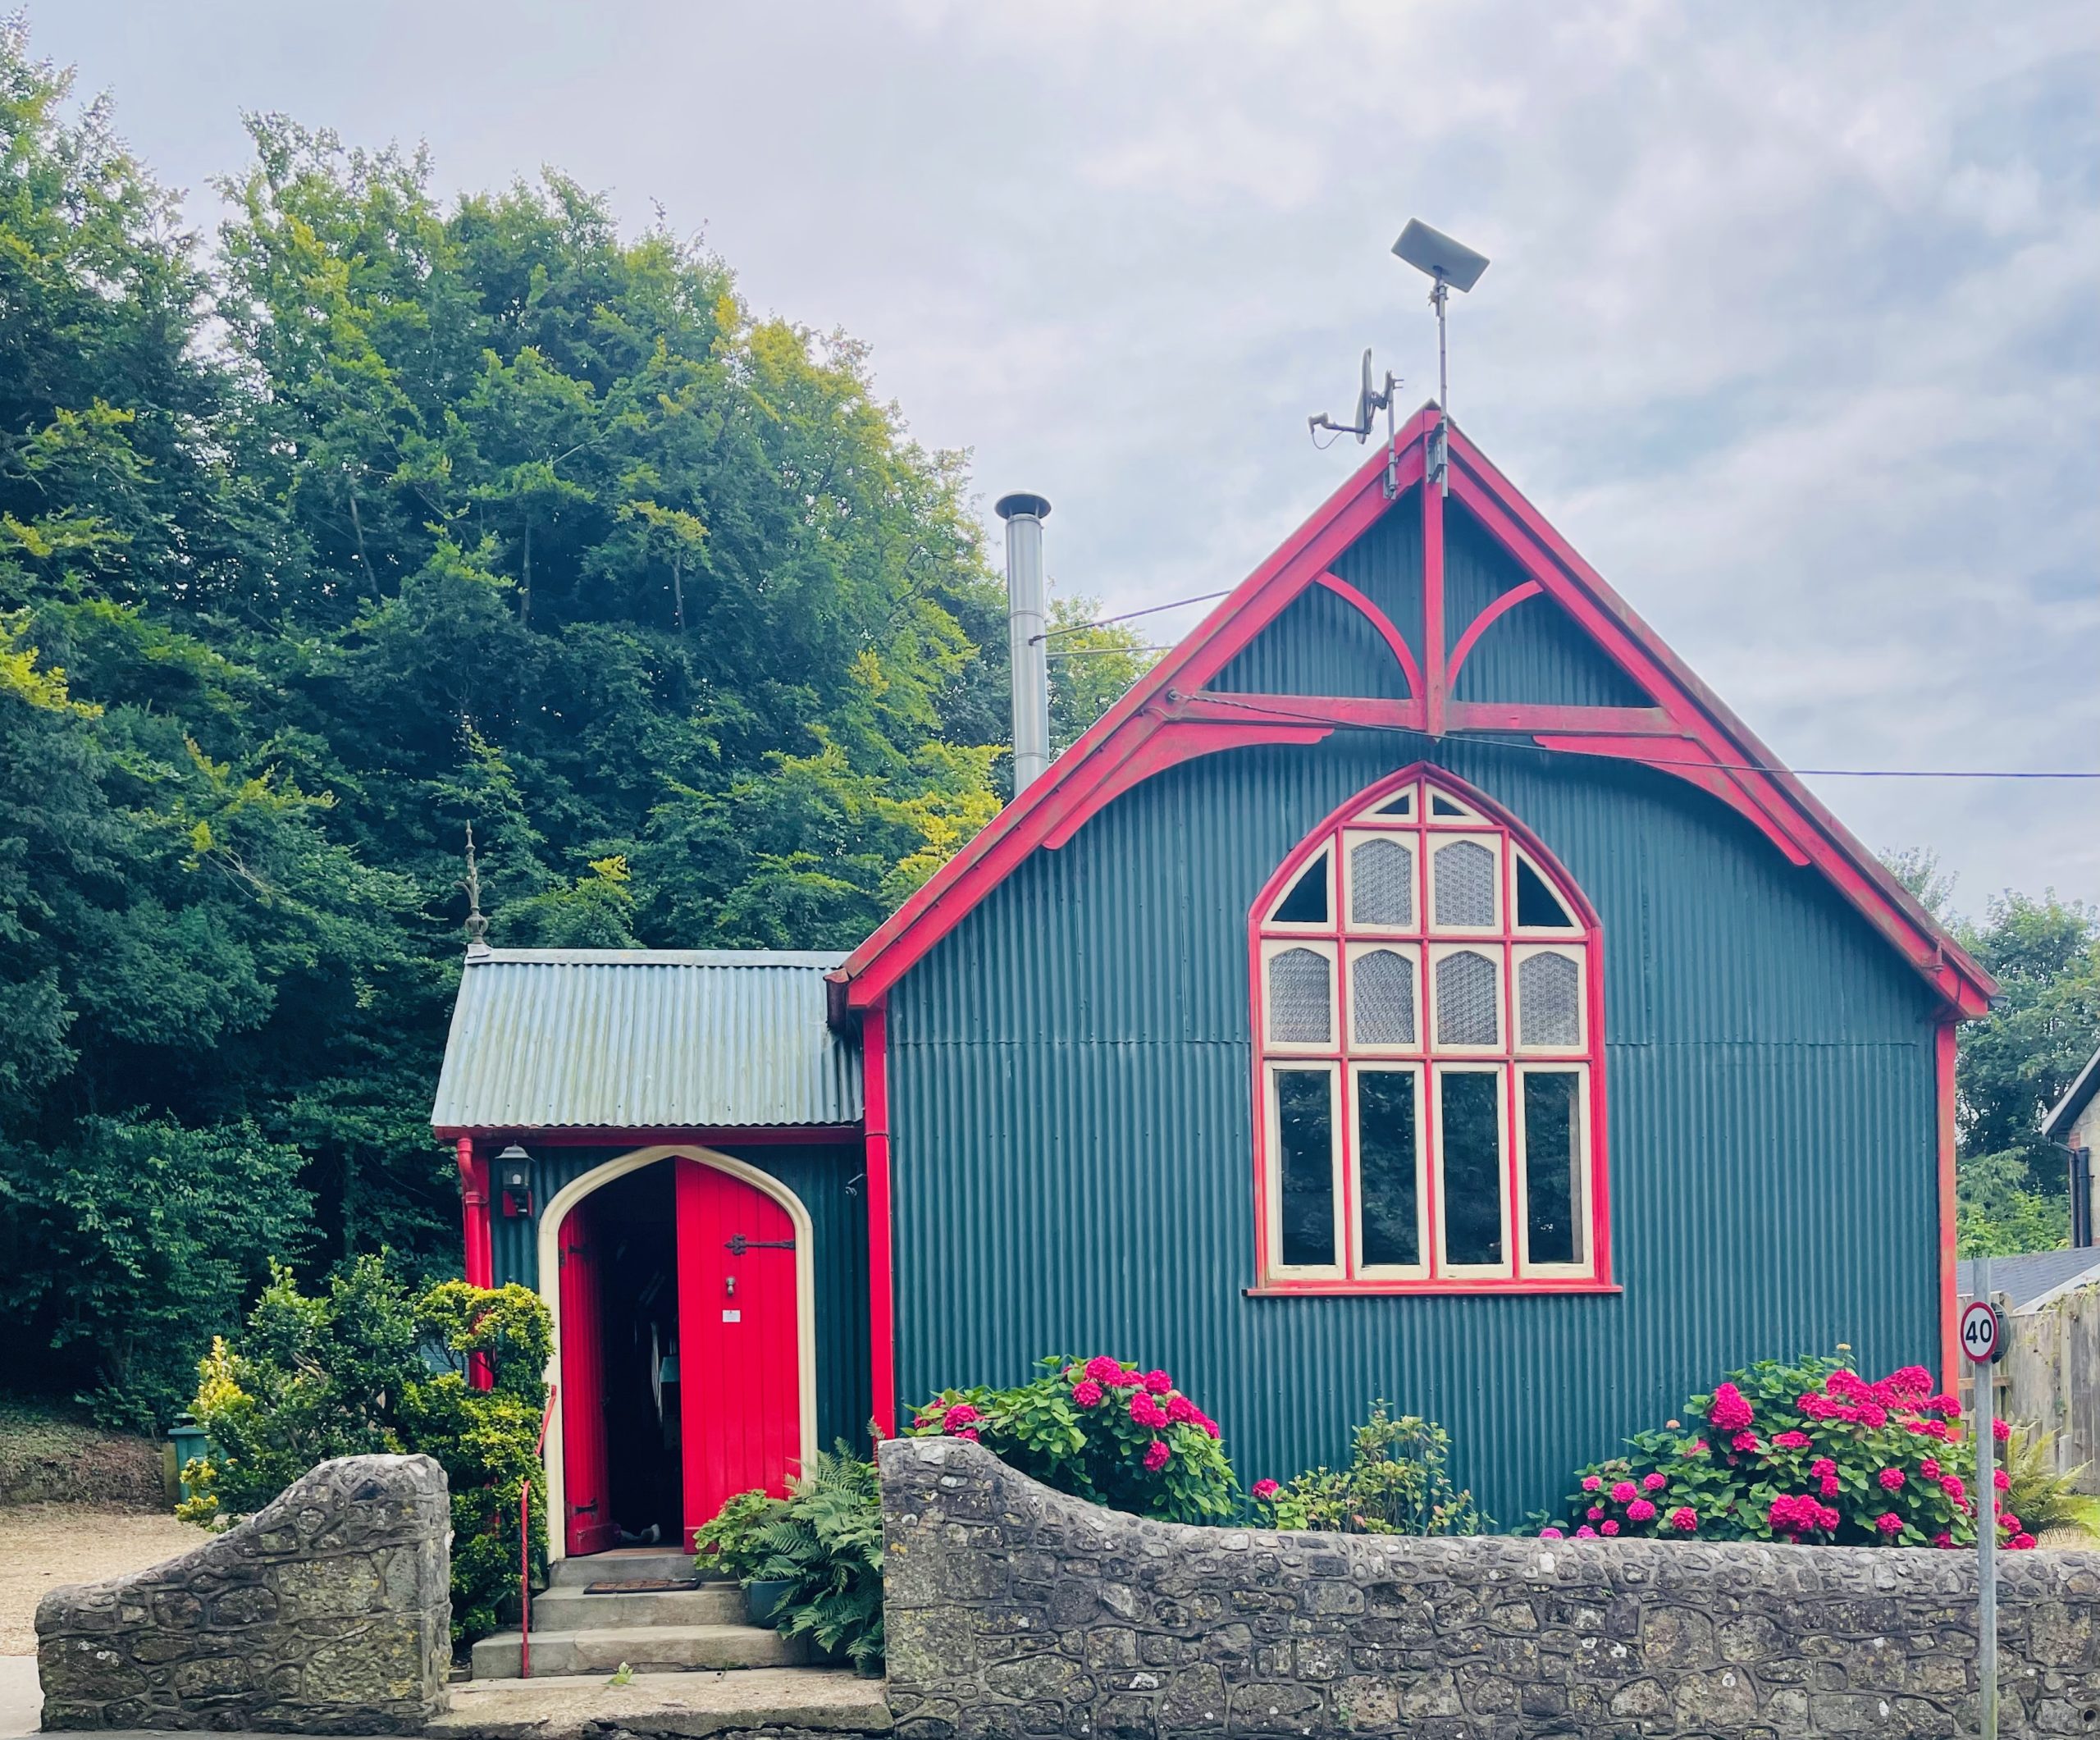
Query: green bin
x,y
190,1441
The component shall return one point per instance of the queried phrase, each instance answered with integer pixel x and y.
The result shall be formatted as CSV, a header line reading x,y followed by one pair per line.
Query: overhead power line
x,y
1150,610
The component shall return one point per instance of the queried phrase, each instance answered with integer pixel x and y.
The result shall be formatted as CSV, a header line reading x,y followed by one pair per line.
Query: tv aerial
x,y
1370,400
1449,265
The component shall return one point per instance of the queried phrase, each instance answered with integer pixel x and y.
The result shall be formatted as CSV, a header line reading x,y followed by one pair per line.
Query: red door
x,y
586,1519
739,1346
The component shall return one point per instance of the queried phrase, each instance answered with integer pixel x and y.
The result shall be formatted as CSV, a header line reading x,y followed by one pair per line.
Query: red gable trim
x,y
1164,720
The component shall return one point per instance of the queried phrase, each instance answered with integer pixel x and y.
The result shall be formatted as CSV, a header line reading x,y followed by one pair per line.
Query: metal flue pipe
x,y
1028,651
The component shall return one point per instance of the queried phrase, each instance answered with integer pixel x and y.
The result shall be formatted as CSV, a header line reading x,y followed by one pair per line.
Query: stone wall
x,y
325,1612
1016,1610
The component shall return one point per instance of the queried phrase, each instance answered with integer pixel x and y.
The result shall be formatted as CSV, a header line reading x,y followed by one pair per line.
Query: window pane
x,y
1549,1000
1403,804
1381,884
1465,883
1467,1011
1300,1007
1385,1167
1305,1125
1307,902
1472,1168
1381,998
1440,805
1553,1151
1538,907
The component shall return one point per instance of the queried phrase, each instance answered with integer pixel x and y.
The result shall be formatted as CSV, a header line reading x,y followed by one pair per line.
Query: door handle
x,y
738,1244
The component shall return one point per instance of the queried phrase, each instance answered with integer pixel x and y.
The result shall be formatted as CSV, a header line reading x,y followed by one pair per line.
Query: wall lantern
x,y
513,1179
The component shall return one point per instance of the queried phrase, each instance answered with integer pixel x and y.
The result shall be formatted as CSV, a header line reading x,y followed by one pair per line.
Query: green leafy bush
x,y
827,1543
733,1545
1398,1483
2036,1494
1808,1452
1100,1430
364,1366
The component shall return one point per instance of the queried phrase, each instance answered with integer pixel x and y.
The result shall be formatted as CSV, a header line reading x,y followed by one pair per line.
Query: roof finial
x,y
478,925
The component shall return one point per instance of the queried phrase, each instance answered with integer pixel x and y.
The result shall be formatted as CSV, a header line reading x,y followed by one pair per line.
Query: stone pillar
x,y
327,1612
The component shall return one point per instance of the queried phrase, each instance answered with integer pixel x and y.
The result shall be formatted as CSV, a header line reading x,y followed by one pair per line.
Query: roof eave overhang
x,y
1111,757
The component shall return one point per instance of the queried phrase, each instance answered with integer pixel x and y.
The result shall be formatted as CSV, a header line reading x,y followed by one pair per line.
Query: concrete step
x,y
572,1609
621,1562
799,1699
646,1649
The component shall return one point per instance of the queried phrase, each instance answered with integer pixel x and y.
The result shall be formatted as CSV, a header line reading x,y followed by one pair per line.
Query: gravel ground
x,y
43,1545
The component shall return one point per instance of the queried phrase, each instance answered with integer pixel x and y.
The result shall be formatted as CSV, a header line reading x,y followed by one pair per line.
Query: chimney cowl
x,y
1022,501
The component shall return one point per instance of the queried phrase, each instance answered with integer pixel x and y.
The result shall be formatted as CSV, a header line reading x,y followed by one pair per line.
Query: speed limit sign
x,y
1983,1333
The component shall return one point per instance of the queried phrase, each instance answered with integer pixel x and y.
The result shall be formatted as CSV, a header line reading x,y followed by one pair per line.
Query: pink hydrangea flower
x,y
1551,1534
1586,1534
1745,1442
1911,1381
1929,1467
2007,1521
1210,1426
1888,1522
1608,1527
1266,1489
1999,1430
1792,1440
958,1417
1654,1483
1951,1485
1890,1478
969,1432
1156,1455
2021,1543
1104,1370
2002,1479
1590,1482
1596,1512
1147,1412
1821,1466
1623,1492
1697,1447
1158,1382
1640,1511
1087,1393
1180,1408
1684,1519
1827,1486
1827,1519
1943,1539
1730,1412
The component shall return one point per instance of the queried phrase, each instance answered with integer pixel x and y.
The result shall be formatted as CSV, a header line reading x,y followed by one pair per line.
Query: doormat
x,y
637,1585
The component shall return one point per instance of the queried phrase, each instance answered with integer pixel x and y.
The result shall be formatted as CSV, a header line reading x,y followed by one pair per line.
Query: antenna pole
x,y
1440,457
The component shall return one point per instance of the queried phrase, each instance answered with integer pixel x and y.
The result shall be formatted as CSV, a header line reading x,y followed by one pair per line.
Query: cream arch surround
x,y
573,1192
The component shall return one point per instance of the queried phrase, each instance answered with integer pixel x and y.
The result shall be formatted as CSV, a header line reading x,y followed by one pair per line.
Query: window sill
x,y
1344,1289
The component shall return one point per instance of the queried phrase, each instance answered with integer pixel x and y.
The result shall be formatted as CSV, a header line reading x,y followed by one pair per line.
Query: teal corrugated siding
x,y
1320,645
828,1180
1534,652
1072,1127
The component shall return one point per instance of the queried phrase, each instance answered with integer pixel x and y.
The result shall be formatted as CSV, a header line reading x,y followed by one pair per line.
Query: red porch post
x,y
1944,1052
882,1336
474,1227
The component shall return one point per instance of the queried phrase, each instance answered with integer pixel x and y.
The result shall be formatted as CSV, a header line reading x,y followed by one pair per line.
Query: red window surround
x,y
1429,1081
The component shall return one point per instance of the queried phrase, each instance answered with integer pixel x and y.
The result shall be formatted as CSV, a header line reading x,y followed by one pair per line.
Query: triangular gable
x,y
1197,701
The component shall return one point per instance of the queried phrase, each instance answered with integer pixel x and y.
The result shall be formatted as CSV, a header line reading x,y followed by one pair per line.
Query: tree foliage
x,y
374,516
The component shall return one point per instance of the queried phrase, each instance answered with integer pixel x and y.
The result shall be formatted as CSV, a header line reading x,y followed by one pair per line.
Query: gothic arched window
x,y
1427,1016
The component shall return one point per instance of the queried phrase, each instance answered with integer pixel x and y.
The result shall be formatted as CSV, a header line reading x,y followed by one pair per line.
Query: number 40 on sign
x,y
1983,1333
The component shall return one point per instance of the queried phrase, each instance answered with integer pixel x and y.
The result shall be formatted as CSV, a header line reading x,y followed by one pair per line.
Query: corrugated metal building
x,y
1419,987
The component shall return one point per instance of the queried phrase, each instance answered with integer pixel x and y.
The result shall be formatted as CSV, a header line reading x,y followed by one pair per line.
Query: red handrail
x,y
525,1546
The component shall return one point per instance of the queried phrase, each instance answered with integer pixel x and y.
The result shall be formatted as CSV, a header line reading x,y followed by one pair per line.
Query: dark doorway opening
x,y
636,1230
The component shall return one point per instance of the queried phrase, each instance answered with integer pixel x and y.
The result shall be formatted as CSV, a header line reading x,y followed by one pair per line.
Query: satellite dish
x,y
1366,401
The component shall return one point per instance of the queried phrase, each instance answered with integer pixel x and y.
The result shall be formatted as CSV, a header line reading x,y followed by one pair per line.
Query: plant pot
x,y
762,1600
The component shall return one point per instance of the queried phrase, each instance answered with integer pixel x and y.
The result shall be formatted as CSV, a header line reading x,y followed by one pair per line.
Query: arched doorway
x,y
680,1279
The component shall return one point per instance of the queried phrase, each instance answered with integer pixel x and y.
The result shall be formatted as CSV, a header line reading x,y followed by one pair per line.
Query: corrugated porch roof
x,y
555,1039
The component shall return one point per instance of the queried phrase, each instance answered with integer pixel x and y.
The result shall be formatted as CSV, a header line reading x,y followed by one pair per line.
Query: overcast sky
x,y
1793,324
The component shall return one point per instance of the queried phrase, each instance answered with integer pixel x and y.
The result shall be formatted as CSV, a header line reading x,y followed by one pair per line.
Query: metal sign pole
x,y
1983,1408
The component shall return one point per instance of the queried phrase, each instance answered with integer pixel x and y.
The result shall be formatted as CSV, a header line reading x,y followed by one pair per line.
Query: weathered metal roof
x,y
2077,1097
2023,1279
548,1039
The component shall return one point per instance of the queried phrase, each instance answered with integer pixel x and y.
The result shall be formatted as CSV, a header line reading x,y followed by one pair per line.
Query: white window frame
x,y
1409,839
1584,1170
1435,842
1506,1269
1410,952
1271,1113
1519,953
1414,1069
1313,927
1327,1047
1497,957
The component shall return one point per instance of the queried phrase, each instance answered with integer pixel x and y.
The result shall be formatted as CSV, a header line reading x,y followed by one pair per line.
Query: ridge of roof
x,y
815,959
2057,1121
1812,835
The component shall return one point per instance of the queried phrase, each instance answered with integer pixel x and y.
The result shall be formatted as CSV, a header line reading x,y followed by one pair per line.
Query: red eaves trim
x,y
882,1330
1111,756
1016,830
